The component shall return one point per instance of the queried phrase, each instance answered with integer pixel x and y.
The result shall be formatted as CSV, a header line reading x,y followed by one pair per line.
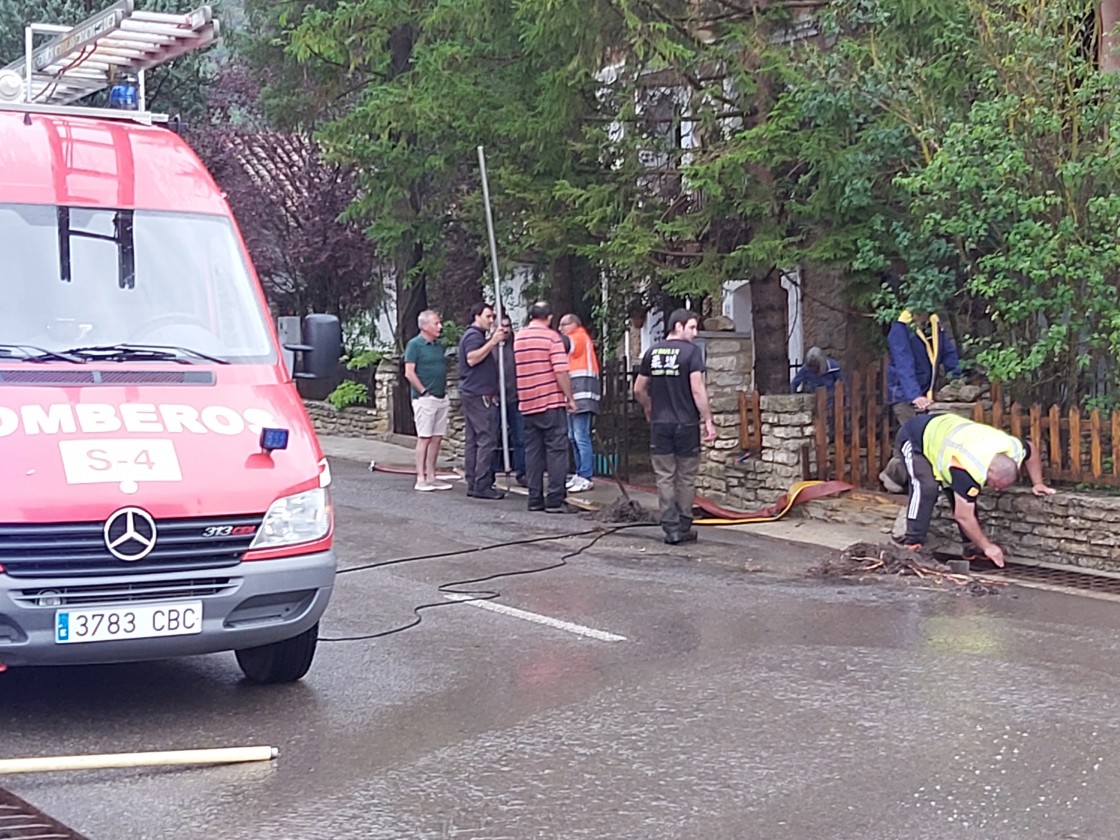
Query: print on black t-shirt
x,y
669,364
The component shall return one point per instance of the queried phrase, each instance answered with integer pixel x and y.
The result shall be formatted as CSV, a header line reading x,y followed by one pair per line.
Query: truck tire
x,y
280,662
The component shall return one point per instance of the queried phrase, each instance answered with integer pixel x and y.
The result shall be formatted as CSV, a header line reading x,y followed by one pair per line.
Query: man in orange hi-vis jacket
x,y
583,368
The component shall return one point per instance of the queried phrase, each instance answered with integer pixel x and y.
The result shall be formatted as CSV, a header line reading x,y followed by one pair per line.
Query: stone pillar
x,y
729,357
787,427
454,442
386,381
787,431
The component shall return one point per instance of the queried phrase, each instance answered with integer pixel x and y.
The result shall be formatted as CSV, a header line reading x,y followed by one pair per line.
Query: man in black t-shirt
x,y
478,388
670,387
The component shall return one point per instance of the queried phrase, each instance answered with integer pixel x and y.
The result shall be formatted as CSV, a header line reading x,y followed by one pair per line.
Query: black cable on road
x,y
452,588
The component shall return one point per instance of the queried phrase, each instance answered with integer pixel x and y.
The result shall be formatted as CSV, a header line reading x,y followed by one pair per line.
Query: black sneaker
x,y
690,535
562,509
672,537
536,508
489,493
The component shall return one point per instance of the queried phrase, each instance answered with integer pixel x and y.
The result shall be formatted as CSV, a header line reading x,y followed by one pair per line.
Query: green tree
x,y
1025,191
411,92
741,143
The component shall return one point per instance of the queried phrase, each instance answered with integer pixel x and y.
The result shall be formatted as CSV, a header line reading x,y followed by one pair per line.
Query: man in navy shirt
x,y
479,388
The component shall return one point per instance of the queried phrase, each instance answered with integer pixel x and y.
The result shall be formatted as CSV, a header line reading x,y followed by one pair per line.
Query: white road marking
x,y
578,629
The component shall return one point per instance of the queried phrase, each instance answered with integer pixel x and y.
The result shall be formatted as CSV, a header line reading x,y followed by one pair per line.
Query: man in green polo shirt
x,y
425,368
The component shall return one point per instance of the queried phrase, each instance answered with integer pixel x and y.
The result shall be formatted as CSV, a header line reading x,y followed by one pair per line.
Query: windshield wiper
x,y
31,353
143,353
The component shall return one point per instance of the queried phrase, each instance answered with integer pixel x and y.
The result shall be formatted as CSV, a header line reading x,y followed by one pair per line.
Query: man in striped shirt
x,y
544,395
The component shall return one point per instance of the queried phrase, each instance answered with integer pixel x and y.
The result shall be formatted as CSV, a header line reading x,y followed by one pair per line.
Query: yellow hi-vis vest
x,y
952,441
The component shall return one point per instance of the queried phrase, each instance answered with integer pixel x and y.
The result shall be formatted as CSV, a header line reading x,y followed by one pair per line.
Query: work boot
x,y
902,542
488,493
564,508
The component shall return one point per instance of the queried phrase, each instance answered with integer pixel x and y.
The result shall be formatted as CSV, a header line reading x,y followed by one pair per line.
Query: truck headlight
x,y
304,517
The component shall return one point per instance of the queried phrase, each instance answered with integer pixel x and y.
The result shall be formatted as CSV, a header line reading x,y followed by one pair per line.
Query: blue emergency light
x,y
124,94
274,439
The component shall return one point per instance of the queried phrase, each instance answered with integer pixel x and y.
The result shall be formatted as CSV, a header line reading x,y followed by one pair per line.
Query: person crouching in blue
x,y
819,371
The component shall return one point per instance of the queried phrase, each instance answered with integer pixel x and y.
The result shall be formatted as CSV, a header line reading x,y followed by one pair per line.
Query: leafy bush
x,y
451,334
348,393
365,359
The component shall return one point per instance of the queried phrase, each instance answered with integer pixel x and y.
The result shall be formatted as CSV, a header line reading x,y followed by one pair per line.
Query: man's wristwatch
x,y
424,393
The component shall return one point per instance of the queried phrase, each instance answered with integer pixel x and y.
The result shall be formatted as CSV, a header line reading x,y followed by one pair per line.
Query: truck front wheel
x,y
280,662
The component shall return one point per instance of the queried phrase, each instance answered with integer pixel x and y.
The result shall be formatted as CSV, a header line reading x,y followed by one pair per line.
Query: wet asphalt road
x,y
743,701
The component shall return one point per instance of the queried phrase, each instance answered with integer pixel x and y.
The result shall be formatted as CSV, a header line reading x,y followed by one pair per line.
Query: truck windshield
x,y
80,277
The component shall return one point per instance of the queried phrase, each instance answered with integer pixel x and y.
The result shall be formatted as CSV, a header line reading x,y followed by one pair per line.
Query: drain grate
x,y
21,821
1065,578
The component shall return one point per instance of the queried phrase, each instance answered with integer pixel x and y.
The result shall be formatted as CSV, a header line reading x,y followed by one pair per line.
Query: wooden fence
x,y
1075,446
855,431
750,423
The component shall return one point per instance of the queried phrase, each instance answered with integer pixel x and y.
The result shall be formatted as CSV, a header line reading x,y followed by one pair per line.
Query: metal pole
x,y
497,309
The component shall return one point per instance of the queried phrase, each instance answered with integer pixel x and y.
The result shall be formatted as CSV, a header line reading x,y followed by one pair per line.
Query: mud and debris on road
x,y
865,560
624,509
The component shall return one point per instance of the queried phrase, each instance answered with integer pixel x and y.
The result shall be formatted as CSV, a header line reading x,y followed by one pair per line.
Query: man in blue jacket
x,y
919,345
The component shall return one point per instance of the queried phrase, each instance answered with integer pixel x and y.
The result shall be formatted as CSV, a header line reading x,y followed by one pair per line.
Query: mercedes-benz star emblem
x,y
130,534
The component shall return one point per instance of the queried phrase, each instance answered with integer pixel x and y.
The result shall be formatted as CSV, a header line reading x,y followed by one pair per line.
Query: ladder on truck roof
x,y
92,55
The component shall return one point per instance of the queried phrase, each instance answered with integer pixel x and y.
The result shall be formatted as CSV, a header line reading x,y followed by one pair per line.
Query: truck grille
x,y
78,549
85,376
125,592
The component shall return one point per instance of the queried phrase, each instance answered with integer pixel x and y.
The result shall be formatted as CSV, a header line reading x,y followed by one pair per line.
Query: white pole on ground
x,y
497,309
223,755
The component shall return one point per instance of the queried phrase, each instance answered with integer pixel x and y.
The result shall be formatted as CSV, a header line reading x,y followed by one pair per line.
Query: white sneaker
x,y
571,480
424,487
579,485
439,485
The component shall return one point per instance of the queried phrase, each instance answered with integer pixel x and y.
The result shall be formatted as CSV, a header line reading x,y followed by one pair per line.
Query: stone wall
x,y
729,357
787,428
354,421
1069,529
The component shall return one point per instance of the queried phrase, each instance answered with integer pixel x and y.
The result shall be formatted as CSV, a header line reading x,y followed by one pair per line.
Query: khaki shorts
x,y
430,414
